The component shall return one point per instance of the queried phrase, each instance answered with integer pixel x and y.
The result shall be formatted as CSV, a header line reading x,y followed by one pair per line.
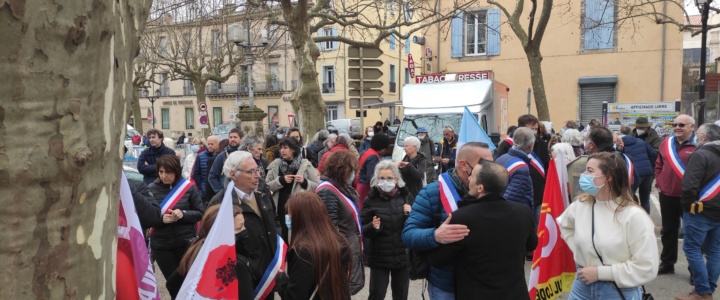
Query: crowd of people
x,y
339,206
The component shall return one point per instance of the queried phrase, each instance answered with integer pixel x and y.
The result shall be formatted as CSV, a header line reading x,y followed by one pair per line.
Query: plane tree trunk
x,y
67,74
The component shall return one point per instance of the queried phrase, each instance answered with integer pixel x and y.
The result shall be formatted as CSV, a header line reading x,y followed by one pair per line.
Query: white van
x,y
352,126
433,105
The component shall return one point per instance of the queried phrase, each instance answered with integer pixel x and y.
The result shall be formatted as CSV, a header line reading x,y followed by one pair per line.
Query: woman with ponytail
x,y
318,257
245,283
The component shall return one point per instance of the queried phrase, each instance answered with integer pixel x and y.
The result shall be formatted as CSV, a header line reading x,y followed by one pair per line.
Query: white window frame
x,y
328,45
328,78
475,33
332,111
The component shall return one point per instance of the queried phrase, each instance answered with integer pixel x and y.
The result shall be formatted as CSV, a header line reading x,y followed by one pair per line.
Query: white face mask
x,y
371,133
386,185
421,136
351,179
640,132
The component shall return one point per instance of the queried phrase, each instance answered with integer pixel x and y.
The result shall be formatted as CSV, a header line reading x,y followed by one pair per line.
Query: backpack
x,y
417,261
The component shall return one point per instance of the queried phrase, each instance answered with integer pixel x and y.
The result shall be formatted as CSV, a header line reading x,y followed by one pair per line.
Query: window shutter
x,y
599,27
407,46
493,31
334,43
324,72
456,37
320,45
392,42
606,30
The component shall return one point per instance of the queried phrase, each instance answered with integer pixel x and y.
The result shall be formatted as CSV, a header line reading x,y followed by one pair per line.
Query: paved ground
x,y
663,287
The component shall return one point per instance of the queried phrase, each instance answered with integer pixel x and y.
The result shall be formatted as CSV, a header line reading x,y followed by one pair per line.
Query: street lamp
x,y
243,40
704,6
152,99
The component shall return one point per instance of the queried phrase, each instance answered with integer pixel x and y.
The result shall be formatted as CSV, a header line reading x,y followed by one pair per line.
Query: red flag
x,y
212,274
134,276
553,267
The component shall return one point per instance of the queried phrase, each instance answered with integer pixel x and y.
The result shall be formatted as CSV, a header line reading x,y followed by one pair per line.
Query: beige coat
x,y
306,169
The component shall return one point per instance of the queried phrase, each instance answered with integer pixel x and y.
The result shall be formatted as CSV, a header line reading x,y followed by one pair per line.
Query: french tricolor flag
x,y
212,274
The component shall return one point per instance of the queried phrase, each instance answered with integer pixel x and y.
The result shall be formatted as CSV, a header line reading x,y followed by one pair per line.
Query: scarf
x,y
344,188
291,167
389,195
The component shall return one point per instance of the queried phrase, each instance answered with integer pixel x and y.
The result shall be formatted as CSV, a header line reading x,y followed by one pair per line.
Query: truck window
x,y
433,123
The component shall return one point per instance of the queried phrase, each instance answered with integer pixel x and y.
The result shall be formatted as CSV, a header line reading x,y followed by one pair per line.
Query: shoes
x,y
666,268
694,296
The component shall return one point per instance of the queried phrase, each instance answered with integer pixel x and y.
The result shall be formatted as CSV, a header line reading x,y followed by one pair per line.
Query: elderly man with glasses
x,y
673,156
257,209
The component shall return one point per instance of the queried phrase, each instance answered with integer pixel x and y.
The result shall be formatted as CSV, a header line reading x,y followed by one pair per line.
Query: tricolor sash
x,y
514,164
449,197
673,157
509,141
267,283
536,163
631,168
711,190
174,196
349,203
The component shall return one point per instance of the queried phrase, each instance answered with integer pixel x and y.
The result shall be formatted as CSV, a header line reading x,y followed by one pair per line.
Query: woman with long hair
x,y
611,237
245,283
271,147
176,230
340,201
318,257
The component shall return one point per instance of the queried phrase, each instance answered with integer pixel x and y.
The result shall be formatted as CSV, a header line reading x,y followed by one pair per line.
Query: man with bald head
x,y
201,168
426,228
495,271
673,155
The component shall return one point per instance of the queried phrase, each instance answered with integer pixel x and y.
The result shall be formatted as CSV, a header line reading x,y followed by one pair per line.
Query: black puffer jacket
x,y
701,170
414,173
180,233
388,250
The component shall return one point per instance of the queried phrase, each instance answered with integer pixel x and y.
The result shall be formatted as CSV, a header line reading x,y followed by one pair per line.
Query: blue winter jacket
x,y
200,171
642,154
215,176
364,145
419,231
520,187
150,155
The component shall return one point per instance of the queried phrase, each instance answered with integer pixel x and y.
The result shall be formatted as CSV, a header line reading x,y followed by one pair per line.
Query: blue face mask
x,y
288,222
194,148
279,136
587,184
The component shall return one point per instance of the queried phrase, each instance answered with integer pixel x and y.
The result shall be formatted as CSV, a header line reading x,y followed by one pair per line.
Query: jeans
x,y
438,294
602,290
379,279
645,187
699,231
671,213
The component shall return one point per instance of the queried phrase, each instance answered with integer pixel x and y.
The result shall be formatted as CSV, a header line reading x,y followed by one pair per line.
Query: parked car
x,y
129,132
352,126
222,130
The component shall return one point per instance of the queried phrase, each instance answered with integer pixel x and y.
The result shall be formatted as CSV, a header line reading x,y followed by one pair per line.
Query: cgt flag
x,y
471,131
134,276
553,266
212,274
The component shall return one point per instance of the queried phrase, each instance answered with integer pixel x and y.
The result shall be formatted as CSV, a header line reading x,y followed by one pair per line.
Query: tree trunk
x,y
67,72
136,112
200,97
536,79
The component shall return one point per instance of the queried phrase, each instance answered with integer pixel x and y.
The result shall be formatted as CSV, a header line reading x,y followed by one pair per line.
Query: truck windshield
x,y
433,123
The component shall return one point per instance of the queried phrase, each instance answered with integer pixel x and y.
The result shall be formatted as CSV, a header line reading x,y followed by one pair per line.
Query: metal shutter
x,y
591,99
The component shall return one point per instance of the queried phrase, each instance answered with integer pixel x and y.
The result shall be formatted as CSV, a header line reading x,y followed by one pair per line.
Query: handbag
x,y
645,294
417,262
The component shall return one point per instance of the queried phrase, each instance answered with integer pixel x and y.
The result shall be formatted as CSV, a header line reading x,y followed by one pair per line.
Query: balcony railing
x,y
392,87
242,88
328,88
188,91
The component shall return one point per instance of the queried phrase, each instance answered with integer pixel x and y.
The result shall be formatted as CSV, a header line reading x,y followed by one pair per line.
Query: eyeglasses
x,y
387,178
681,125
250,172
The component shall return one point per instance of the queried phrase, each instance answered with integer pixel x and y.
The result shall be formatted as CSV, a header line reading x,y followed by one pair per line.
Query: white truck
x,y
440,99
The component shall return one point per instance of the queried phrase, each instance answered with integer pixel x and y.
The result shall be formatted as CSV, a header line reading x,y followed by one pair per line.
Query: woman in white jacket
x,y
611,237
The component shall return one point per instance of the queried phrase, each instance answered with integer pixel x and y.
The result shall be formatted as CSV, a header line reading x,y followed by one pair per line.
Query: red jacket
x,y
666,180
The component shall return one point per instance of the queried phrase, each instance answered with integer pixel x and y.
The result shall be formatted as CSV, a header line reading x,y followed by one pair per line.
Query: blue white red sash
x,y
631,168
174,196
537,163
515,164
449,197
711,190
267,283
509,141
349,203
673,157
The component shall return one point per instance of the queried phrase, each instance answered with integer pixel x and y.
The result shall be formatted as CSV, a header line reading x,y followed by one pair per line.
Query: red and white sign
x,y
411,66
466,76
202,106
291,119
428,52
